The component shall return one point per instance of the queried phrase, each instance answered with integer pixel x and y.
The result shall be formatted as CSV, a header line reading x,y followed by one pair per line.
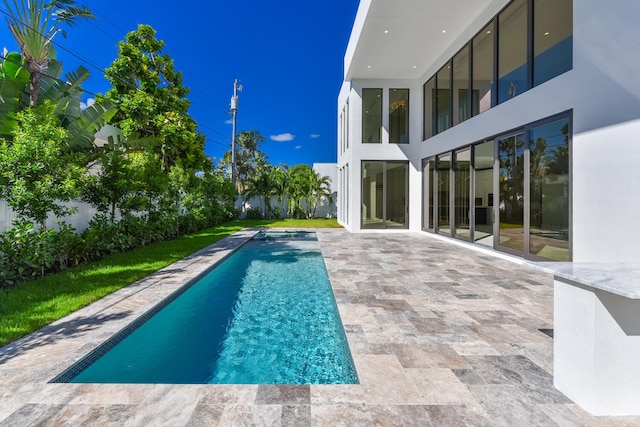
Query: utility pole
x,y
234,113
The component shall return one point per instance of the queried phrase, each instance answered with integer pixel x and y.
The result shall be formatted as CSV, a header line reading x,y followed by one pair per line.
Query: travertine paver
x,y
440,334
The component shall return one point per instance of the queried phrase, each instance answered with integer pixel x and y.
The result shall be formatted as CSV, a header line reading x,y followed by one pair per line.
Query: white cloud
x,y
298,147
89,103
283,137
314,136
228,122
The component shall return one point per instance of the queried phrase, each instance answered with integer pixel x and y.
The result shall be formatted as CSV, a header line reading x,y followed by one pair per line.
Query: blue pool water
x,y
266,315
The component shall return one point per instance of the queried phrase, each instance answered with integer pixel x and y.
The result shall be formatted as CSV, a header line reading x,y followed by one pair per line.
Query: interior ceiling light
x,y
386,31
444,31
547,33
415,66
368,66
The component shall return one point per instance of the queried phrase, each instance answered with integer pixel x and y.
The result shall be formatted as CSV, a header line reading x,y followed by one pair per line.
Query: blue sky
x,y
287,54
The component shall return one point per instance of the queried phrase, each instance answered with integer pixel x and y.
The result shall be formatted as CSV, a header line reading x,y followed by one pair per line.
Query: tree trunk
x,y
36,69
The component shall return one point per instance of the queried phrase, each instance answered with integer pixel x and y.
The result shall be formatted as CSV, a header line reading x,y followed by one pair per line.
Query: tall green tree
x,y
152,101
305,188
249,157
39,176
35,24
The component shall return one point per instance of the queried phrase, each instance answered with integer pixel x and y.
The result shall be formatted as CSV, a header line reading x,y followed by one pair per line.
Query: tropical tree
x,y
152,101
13,81
35,24
265,185
305,188
249,157
66,94
39,176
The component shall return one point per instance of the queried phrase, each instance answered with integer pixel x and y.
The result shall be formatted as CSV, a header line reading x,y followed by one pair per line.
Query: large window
x,y
534,41
399,115
552,39
482,72
372,115
512,51
443,99
429,117
384,194
461,92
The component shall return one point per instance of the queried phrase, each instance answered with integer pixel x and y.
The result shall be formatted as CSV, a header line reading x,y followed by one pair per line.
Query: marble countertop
x,y
618,278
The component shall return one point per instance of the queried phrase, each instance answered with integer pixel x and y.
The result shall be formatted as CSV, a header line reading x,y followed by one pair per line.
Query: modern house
x,y
513,124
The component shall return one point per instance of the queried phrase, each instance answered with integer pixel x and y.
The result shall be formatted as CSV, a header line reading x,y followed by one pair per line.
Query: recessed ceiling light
x,y
547,33
444,31
415,66
386,31
488,31
368,66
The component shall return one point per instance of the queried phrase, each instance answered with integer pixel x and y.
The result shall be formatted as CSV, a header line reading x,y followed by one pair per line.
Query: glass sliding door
x,y
396,194
428,168
549,191
462,193
372,195
443,224
510,227
384,194
483,192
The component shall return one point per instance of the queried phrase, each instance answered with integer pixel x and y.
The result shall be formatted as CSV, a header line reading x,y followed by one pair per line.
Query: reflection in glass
x,y
549,186
443,99
372,194
482,73
462,99
396,185
511,185
371,115
429,118
552,39
512,50
428,167
399,115
483,193
462,193
444,178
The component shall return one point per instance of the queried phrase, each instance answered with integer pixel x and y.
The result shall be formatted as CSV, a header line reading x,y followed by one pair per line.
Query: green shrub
x,y
253,213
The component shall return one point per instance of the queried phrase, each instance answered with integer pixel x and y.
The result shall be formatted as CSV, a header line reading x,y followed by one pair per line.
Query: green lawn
x,y
31,305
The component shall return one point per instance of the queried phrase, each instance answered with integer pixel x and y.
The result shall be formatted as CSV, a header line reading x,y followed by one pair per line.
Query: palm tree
x,y
34,24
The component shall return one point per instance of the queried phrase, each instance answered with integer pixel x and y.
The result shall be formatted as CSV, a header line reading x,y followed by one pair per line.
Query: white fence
x,y
79,220
85,212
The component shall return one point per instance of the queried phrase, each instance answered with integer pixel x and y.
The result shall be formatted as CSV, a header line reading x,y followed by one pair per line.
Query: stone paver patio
x,y
441,335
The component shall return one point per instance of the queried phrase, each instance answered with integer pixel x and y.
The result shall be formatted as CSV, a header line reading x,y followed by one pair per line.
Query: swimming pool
x,y
266,315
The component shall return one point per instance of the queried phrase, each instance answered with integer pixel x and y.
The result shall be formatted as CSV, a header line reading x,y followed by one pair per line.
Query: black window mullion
x,y
494,92
529,44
